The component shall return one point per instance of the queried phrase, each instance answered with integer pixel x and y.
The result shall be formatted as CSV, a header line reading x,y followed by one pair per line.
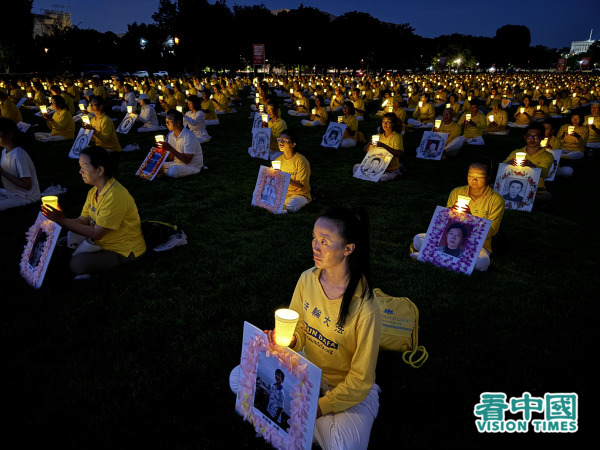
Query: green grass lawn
x,y
141,356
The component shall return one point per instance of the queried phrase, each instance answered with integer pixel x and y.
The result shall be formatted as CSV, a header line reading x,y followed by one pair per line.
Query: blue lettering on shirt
x,y
315,333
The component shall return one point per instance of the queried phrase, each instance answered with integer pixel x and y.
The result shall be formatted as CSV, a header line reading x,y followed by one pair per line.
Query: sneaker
x,y
175,240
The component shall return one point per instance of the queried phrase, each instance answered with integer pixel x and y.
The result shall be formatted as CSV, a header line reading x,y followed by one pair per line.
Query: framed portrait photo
x,y
278,391
454,240
23,127
432,145
152,163
373,164
271,189
41,240
127,123
518,186
333,135
261,143
82,140
556,155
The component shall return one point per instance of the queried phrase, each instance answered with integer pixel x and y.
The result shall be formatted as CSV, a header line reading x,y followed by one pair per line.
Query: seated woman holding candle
x,y
541,110
105,134
61,123
573,138
497,120
17,172
185,152
147,116
424,114
337,100
301,107
339,287
277,126
128,100
318,115
485,203
39,98
195,119
208,108
524,114
292,162
168,102
391,140
350,137
109,226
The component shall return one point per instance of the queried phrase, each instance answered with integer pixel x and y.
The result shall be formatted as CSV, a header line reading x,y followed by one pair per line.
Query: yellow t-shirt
x,y
115,209
10,111
489,206
105,135
470,132
346,355
424,114
208,108
62,124
299,168
359,104
395,141
541,159
351,124
453,129
572,143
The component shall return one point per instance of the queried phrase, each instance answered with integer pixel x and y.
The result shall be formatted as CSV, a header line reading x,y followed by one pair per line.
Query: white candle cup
x,y
390,109
179,108
85,119
590,121
521,110
448,105
570,129
314,111
29,95
159,138
340,119
467,117
437,123
520,157
264,117
276,165
375,139
544,142
43,109
285,324
50,200
554,102
82,107
491,119
420,104
130,109
462,202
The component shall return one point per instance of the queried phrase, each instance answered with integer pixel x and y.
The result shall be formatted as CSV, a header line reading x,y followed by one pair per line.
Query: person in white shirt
x,y
184,148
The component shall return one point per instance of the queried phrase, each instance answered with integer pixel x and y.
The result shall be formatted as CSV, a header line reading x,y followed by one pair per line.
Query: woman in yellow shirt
x,y
108,231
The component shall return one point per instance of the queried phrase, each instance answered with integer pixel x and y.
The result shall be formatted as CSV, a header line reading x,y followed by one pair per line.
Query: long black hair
x,y
354,228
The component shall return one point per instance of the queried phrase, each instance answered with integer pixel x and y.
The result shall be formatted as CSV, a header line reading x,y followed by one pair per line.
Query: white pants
x,y
483,260
454,146
349,429
311,123
417,124
339,108
46,137
212,122
593,145
385,176
8,201
293,112
347,143
179,170
295,203
564,171
569,154
514,125
478,140
146,129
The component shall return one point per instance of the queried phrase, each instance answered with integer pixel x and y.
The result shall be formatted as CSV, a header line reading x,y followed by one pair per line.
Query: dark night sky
x,y
552,23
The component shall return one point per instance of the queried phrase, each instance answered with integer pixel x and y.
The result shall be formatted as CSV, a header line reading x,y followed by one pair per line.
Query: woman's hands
x,y
271,336
55,215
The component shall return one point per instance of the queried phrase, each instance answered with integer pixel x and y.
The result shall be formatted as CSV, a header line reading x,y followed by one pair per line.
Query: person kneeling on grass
x,y
292,162
108,231
184,148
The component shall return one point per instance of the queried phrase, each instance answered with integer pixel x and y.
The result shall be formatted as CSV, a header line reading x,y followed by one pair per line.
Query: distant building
x,y
59,16
581,46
